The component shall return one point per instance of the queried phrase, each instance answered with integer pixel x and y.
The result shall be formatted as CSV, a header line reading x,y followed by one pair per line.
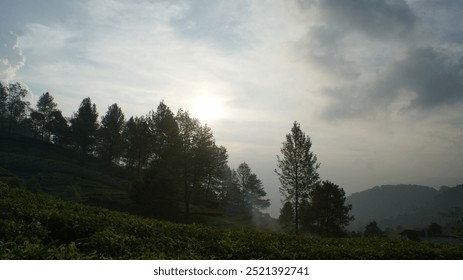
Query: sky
x,y
377,85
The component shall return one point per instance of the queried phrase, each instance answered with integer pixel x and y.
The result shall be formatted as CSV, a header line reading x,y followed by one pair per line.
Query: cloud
x,y
435,78
321,47
339,33
218,22
379,19
11,56
381,57
422,79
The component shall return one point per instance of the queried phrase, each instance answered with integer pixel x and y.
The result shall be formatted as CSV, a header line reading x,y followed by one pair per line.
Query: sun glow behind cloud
x,y
207,108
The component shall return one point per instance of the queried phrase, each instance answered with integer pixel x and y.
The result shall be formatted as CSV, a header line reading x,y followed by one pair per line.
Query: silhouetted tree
x,y
372,229
37,120
252,190
59,128
327,213
14,107
298,170
286,218
197,148
42,117
216,171
3,107
111,141
84,126
230,193
137,141
164,134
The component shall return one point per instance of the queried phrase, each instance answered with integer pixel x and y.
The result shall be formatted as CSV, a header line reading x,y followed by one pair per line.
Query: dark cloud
x,y
441,19
380,19
423,77
434,77
326,42
321,48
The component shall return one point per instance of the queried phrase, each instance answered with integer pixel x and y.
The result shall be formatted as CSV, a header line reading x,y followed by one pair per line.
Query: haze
x,y
376,84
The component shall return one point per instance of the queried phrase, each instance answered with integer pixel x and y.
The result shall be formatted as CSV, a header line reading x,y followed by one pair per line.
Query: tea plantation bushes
x,y
34,226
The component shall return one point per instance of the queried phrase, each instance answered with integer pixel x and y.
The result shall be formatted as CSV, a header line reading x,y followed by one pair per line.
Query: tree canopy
x,y
327,214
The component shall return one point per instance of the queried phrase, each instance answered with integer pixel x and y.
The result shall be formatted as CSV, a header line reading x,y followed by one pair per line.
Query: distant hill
x,y
409,206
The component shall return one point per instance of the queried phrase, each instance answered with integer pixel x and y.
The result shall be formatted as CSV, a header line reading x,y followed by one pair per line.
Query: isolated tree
x,y
327,214
372,229
84,126
297,170
110,142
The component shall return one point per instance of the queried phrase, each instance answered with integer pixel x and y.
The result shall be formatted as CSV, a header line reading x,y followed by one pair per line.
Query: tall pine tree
x,y
110,142
297,170
84,126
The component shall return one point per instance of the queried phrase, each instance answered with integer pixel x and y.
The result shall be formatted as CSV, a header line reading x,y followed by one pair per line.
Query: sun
x,y
207,108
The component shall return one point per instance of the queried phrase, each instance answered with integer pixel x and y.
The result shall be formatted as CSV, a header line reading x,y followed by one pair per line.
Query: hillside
x,y
35,226
409,206
60,172
45,168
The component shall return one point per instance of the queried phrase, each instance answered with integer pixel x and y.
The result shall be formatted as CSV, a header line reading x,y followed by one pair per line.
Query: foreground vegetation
x,y
35,226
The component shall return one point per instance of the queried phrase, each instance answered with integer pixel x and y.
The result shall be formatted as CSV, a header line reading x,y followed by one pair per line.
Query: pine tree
x,y
252,190
137,144
298,170
84,126
110,134
42,117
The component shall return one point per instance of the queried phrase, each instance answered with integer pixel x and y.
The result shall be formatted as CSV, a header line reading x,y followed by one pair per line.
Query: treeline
x,y
174,157
178,163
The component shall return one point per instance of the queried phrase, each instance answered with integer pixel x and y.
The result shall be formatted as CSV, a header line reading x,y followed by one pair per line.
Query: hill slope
x,y
60,172
36,226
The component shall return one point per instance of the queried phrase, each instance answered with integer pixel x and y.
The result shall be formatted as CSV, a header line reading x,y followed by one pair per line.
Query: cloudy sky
x,y
376,84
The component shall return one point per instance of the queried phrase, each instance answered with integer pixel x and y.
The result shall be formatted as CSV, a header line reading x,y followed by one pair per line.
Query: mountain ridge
x,y
406,206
